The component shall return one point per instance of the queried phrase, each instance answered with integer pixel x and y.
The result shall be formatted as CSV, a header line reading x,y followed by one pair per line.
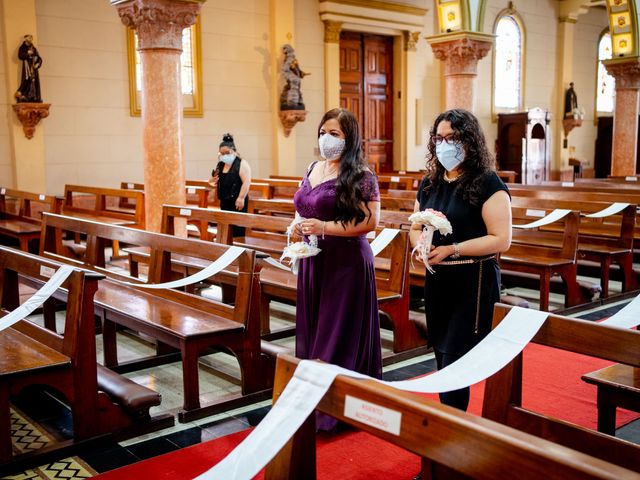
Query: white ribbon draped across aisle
x,y
216,267
311,381
37,298
610,210
546,220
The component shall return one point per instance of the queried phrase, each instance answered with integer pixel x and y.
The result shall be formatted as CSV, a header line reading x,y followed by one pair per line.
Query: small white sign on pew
x,y
535,213
567,184
373,415
631,179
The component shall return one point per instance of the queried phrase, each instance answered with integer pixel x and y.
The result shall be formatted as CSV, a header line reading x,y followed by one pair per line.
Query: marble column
x,y
626,71
332,31
159,25
460,55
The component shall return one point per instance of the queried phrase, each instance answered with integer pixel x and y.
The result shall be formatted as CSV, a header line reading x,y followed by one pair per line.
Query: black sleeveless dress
x,y
459,299
229,185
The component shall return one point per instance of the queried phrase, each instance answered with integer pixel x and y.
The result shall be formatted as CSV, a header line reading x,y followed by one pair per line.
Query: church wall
x,y
588,30
540,23
309,46
6,166
89,136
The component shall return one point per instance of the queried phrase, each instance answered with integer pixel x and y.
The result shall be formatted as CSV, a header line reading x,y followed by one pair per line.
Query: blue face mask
x,y
227,158
450,155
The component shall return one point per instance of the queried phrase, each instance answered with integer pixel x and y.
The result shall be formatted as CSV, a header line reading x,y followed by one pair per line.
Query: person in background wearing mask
x,y
232,179
461,182
337,307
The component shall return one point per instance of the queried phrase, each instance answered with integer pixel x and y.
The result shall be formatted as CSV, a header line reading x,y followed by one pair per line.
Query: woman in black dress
x,y
232,179
461,182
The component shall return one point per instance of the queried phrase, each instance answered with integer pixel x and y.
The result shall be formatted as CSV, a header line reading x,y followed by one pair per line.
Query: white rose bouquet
x,y
297,250
432,220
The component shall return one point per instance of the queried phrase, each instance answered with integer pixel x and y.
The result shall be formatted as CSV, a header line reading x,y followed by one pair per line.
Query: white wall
x,y
587,34
6,167
89,136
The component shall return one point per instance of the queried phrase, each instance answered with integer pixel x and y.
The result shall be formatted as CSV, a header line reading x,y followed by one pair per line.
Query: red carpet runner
x,y
552,386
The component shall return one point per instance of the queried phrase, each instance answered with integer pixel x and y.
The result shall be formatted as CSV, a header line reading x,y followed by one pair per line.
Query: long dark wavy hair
x,y
477,159
352,168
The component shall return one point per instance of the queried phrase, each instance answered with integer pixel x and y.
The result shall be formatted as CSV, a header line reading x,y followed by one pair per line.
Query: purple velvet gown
x,y
337,309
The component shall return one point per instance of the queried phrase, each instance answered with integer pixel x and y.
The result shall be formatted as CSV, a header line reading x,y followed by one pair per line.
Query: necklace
x,y
325,174
447,179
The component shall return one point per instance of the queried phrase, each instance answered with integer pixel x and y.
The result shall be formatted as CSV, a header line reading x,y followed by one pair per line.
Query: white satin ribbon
x,y
37,298
552,217
610,210
627,317
311,381
220,264
383,239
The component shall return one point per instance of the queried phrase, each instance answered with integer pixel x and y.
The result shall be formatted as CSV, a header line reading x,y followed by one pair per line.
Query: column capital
x,y
332,29
159,23
460,52
626,71
411,40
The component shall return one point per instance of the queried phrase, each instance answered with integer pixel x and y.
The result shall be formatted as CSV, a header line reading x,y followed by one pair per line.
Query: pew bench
x,y
20,214
618,387
102,402
265,233
606,241
453,444
181,322
527,255
503,391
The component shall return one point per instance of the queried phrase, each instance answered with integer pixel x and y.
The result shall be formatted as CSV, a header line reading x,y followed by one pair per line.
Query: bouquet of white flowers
x,y
295,251
432,220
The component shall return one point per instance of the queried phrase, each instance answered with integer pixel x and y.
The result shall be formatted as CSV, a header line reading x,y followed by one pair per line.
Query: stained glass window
x,y
507,80
606,88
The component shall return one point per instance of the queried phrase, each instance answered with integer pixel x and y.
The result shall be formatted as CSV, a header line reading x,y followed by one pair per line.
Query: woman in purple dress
x,y
337,309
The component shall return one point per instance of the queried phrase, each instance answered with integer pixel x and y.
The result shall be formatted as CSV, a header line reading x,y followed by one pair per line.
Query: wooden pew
x,y
397,182
102,205
452,443
530,255
388,202
279,188
266,234
191,324
503,391
101,401
20,214
606,241
198,193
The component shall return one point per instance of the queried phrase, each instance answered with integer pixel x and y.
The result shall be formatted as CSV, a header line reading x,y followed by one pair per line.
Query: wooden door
x,y
366,66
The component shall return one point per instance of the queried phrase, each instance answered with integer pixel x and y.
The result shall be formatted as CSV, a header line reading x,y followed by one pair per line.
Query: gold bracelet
x,y
323,225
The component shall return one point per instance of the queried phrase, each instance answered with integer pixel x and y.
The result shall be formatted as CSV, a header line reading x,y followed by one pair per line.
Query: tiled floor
x,y
167,380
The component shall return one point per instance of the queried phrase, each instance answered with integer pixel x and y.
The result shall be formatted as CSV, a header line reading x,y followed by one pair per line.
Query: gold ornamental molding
x,y
332,31
411,41
380,5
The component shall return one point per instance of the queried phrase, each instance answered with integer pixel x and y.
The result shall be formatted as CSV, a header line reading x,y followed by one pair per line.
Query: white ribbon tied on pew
x,y
554,216
311,381
37,298
216,267
612,209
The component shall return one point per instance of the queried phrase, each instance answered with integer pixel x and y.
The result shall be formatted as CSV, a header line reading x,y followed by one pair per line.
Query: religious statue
x,y
570,102
29,90
291,97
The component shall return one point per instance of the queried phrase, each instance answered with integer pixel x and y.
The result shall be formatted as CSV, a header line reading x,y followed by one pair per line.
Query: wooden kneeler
x,y
455,444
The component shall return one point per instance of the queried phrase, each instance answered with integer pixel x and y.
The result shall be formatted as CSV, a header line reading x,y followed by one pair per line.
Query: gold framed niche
x,y
191,101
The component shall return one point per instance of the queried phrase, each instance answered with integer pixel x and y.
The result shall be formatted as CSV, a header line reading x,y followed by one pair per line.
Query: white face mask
x,y
450,155
331,147
227,158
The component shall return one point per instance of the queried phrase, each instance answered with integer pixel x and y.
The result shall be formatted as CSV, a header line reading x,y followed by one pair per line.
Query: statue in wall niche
x,y
29,90
291,97
570,103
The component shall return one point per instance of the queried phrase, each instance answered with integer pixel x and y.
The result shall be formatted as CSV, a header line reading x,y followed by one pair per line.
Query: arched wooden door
x,y
366,88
